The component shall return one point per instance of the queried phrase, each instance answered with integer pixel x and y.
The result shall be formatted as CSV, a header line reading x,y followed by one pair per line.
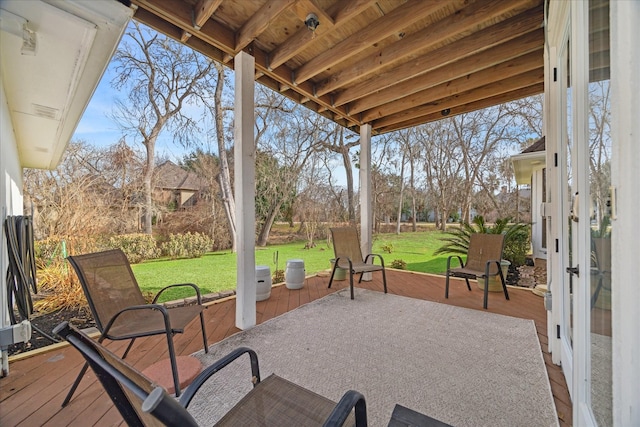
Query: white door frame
x,y
557,241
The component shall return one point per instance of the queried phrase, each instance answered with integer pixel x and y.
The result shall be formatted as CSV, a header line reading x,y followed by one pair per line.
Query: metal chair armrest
x,y
366,259
351,399
337,262
162,309
194,286
190,392
449,261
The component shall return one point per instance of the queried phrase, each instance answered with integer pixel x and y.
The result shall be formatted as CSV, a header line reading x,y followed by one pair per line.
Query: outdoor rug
x,y
464,367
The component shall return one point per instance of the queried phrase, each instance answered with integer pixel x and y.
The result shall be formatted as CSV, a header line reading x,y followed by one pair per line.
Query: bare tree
x,y
285,145
224,173
160,76
599,145
442,166
74,198
336,142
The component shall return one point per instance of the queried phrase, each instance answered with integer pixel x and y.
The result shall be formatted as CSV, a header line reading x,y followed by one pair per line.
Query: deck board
x,y
32,393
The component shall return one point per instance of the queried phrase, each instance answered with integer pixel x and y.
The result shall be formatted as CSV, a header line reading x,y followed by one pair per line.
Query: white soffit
x,y
524,164
49,88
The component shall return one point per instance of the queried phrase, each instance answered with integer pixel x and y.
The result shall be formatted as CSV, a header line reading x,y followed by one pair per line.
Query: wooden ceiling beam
x,y
516,68
395,21
490,37
466,108
466,18
178,13
283,76
437,102
341,12
511,58
260,21
221,37
157,23
202,11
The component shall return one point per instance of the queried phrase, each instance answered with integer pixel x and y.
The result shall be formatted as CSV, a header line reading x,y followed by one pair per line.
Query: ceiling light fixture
x,y
312,22
445,112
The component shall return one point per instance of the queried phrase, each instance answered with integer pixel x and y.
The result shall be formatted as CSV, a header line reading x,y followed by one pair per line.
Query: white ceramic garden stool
x,y
294,274
263,282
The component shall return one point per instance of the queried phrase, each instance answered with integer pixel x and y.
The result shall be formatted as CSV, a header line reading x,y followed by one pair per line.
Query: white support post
x,y
625,175
366,213
245,177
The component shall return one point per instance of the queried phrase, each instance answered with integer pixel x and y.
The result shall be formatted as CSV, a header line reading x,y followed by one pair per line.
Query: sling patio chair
x,y
273,401
483,260
120,310
348,256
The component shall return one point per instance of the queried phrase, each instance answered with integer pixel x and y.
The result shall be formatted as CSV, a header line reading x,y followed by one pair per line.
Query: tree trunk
x,y
263,236
224,178
399,219
150,145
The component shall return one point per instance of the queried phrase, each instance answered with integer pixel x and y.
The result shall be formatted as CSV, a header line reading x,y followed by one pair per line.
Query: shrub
x,y
387,247
517,247
187,245
278,276
57,248
58,288
399,264
138,247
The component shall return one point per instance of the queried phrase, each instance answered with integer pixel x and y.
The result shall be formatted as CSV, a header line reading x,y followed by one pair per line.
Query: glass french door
x,y
599,287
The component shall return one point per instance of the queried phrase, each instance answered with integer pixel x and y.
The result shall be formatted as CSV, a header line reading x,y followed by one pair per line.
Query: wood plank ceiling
x,y
390,63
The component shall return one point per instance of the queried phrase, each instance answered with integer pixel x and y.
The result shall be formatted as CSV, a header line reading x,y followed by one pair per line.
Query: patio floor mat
x,y
464,367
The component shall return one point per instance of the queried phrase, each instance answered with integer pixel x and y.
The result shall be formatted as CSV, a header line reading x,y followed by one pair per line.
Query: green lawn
x,y
216,271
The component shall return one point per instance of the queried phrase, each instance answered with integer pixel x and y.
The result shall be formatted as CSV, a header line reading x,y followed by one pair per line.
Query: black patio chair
x,y
271,402
483,260
120,310
348,256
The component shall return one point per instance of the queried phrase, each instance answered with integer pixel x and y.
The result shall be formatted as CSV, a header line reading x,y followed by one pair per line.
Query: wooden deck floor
x,y
32,393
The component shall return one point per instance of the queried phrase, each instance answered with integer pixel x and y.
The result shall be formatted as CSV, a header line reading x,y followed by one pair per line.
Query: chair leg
x,y
75,385
204,333
504,285
174,364
466,279
335,265
384,280
446,287
351,283
124,355
486,291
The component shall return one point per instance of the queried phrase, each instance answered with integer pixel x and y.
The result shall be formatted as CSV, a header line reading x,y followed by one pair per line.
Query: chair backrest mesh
x,y
482,248
346,244
108,283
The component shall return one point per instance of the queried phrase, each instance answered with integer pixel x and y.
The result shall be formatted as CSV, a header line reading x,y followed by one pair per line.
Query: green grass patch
x,y
216,271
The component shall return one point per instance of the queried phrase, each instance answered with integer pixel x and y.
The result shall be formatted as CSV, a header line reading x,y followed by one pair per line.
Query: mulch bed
x,y
42,326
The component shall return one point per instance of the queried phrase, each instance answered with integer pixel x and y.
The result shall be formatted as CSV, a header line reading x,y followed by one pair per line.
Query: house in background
x,y
177,188
530,170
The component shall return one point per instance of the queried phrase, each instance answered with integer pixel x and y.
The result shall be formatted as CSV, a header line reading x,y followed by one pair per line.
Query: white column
x,y
245,177
366,213
625,176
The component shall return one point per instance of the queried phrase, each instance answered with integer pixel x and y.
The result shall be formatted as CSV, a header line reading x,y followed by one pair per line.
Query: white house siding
x,y
11,197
